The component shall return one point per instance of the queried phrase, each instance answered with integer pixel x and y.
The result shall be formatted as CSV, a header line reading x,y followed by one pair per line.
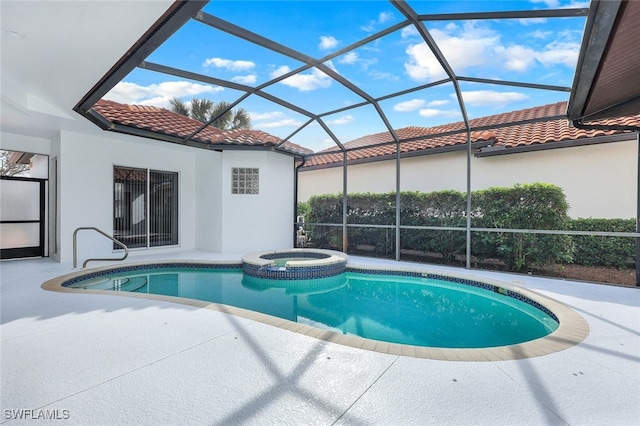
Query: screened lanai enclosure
x,y
417,124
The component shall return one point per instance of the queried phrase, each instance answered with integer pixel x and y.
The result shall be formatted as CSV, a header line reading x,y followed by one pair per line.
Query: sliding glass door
x,y
145,207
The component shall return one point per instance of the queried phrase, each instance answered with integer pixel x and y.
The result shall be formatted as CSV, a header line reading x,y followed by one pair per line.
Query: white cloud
x,y
384,17
229,64
577,5
517,58
245,79
422,65
491,97
549,3
258,116
408,106
558,52
327,42
532,21
353,58
540,34
350,58
158,94
281,70
381,75
371,25
451,26
273,119
345,119
438,102
432,112
308,82
409,31
474,46
286,122
330,65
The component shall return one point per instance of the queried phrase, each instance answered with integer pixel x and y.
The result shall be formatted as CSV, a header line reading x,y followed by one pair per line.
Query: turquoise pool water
x,y
407,310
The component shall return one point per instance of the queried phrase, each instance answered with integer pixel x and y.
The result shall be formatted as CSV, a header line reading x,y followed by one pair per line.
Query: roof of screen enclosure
x,y
603,58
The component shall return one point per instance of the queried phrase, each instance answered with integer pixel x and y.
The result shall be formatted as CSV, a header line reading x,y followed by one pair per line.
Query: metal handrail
x,y
75,247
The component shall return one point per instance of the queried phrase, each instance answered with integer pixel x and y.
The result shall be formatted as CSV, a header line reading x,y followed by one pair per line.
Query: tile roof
x,y
163,121
554,129
502,132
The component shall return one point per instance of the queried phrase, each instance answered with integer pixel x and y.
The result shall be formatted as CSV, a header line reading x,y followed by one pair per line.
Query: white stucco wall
x,y
209,201
211,218
86,187
263,221
599,181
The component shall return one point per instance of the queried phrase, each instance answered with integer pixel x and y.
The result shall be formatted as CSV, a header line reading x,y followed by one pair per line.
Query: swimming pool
x,y
393,311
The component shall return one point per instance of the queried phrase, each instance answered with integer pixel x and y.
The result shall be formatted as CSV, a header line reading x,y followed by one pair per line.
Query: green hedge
x,y
531,206
534,206
604,251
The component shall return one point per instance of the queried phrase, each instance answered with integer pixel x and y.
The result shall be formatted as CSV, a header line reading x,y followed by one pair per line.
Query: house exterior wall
x,y
264,221
86,188
210,217
209,201
599,181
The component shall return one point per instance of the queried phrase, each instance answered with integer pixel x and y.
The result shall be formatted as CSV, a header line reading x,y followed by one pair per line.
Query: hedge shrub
x,y
604,251
531,206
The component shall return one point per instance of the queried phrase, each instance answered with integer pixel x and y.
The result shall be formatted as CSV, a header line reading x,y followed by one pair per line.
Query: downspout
x,y
579,125
398,201
296,170
344,201
468,224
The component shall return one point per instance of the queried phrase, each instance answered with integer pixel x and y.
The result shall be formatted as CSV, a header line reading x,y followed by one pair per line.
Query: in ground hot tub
x,y
294,264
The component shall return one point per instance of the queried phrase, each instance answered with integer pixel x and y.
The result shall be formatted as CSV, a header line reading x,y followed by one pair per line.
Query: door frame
x,y
35,251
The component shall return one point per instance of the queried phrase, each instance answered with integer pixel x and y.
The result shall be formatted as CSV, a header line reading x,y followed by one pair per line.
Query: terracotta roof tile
x,y
556,129
413,138
163,121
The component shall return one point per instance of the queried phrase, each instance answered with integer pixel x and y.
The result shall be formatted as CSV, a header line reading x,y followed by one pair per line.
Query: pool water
x,y
406,310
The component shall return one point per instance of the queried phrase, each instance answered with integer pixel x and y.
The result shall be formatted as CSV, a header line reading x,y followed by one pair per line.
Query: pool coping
x,y
572,329
332,257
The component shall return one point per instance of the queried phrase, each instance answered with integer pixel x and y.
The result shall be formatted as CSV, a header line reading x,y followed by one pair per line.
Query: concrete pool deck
x,y
112,360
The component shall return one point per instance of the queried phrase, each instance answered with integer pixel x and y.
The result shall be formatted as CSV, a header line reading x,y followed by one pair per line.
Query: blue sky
x,y
541,51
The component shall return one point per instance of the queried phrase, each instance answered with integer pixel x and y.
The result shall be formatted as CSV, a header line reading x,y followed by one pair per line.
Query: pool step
x,y
114,284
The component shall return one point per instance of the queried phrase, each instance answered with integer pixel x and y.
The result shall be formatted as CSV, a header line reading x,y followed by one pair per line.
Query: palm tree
x,y
201,109
204,109
179,107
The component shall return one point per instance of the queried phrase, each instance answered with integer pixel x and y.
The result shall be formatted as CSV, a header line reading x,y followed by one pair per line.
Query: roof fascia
x,y
134,131
600,21
556,145
479,154
419,153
